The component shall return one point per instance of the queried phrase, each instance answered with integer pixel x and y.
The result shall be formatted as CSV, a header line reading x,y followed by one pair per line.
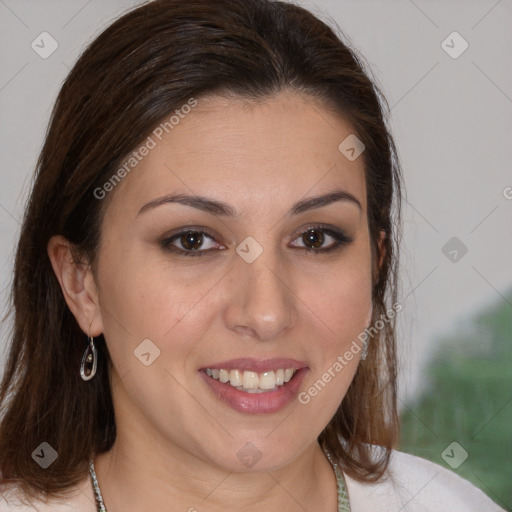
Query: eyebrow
x,y
218,208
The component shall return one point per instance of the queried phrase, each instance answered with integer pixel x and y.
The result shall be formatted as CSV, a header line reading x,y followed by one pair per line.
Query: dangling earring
x,y
364,349
89,358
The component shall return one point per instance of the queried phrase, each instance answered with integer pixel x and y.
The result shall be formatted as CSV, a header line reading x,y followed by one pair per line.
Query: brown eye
x,y
313,238
191,240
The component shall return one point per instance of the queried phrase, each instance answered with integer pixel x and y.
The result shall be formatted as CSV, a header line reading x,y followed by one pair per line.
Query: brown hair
x,y
142,67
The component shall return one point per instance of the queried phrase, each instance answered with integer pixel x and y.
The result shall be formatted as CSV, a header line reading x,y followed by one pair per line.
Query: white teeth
x,y
252,382
268,380
235,378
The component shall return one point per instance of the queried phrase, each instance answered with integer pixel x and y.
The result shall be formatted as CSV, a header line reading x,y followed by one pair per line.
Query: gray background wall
x,y
451,117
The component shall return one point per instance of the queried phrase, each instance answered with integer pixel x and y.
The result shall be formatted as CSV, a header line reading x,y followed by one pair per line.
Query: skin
x,y
176,446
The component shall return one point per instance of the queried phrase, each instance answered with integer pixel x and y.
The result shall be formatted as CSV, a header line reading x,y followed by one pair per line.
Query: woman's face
x,y
247,299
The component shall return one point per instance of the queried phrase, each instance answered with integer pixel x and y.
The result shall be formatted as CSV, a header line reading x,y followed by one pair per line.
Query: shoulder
x,y
79,499
414,484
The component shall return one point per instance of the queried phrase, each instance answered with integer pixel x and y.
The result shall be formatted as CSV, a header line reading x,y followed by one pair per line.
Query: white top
x,y
418,485
413,484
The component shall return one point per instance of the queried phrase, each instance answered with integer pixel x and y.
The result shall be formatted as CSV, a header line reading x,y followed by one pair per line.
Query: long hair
x,y
139,70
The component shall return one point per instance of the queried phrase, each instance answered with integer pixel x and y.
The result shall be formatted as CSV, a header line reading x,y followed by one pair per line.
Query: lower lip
x,y
257,403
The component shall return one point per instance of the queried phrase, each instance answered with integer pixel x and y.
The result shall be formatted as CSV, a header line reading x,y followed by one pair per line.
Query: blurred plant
x,y
468,399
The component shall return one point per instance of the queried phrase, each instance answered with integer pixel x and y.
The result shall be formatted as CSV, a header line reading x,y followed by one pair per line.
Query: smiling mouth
x,y
252,382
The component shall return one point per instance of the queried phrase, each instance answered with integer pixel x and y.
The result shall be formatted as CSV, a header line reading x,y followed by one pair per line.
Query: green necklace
x,y
343,503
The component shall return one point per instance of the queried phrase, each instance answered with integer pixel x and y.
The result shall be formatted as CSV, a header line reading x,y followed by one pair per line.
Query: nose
x,y
261,303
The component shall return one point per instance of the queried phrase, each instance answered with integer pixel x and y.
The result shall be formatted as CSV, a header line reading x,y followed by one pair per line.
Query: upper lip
x,y
257,365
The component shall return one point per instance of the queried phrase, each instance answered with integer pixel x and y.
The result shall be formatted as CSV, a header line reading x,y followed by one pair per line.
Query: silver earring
x,y
364,349
89,359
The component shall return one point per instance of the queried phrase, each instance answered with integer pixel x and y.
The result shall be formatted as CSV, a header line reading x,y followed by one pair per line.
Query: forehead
x,y
258,154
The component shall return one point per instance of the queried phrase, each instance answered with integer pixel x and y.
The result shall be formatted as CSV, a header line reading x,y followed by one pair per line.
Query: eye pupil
x,y
191,240
313,236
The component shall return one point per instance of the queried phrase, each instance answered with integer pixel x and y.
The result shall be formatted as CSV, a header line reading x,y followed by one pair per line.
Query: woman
x,y
205,282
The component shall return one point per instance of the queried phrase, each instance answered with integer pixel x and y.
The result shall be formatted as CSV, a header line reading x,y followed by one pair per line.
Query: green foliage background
x,y
469,400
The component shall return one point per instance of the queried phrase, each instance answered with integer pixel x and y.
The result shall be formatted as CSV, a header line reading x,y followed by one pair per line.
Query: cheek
x,y
344,308
340,304
342,298
144,298
344,311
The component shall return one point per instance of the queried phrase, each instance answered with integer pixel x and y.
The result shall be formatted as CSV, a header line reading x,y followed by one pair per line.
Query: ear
x,y
78,285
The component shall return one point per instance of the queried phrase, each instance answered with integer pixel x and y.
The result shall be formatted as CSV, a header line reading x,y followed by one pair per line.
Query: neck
x,y
134,477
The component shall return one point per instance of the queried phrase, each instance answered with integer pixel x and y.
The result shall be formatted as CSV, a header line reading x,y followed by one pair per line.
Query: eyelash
x,y
341,239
